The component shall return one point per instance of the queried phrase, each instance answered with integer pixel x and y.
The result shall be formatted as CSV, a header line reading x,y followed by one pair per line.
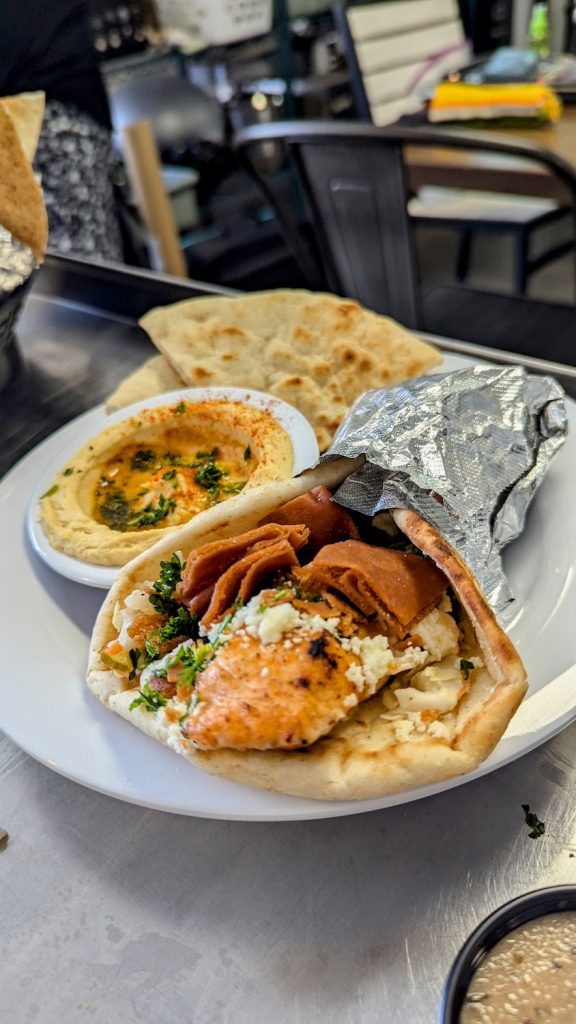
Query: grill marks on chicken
x,y
257,698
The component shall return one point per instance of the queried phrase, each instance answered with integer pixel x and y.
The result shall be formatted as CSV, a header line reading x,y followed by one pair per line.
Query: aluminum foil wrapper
x,y
16,263
480,439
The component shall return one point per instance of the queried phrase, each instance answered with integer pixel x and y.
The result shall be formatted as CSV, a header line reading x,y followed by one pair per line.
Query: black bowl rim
x,y
537,903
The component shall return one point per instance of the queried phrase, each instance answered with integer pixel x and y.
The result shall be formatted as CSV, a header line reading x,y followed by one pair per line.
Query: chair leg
x,y
521,254
463,255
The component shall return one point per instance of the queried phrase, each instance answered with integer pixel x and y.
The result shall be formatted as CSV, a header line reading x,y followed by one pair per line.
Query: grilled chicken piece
x,y
284,694
255,696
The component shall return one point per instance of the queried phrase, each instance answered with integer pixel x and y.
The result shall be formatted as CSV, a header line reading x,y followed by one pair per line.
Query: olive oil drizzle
x,y
121,513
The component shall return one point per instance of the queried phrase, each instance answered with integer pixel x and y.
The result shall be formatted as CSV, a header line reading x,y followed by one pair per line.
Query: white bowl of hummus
x,y
107,496
518,964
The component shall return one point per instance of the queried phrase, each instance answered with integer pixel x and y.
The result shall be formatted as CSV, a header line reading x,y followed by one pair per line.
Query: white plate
x,y
62,446
47,709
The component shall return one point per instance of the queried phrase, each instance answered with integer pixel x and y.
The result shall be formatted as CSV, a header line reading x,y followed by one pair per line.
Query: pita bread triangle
x,y
22,210
314,350
27,112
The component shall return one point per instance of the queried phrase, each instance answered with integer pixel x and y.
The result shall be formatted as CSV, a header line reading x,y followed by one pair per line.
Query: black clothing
x,y
75,163
46,44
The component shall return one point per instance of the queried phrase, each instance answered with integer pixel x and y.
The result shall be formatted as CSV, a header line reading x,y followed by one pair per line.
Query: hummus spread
x,y
139,478
529,976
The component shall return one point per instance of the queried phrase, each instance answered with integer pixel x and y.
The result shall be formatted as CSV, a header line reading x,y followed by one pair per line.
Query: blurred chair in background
x,y
396,53
353,178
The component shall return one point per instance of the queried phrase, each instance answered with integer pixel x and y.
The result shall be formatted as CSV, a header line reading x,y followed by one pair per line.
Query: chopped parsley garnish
x,y
172,458
152,650
116,510
4,837
153,514
209,476
143,458
180,408
247,453
51,490
467,667
162,590
182,624
68,471
234,488
152,700
194,659
169,475
537,827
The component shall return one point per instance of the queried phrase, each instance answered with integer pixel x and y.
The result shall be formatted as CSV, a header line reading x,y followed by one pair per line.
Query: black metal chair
x,y
353,182
387,86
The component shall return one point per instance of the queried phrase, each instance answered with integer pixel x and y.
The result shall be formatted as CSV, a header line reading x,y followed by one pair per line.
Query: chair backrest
x,y
353,178
397,50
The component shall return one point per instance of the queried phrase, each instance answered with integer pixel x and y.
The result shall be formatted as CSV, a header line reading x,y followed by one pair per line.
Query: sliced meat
x,y
206,564
243,579
399,588
199,603
327,521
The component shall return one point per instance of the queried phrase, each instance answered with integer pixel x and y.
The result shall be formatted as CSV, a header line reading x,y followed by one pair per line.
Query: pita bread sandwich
x,y
279,642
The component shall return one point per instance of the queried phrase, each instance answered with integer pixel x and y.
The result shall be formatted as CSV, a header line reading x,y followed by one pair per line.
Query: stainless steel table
x,y
113,913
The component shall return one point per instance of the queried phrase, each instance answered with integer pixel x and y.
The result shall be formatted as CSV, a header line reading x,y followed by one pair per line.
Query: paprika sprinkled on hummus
x,y
157,470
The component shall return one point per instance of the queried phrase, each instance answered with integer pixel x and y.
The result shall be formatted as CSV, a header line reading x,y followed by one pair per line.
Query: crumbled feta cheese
x,y
276,621
403,728
356,676
438,633
269,623
440,730
377,661
350,701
